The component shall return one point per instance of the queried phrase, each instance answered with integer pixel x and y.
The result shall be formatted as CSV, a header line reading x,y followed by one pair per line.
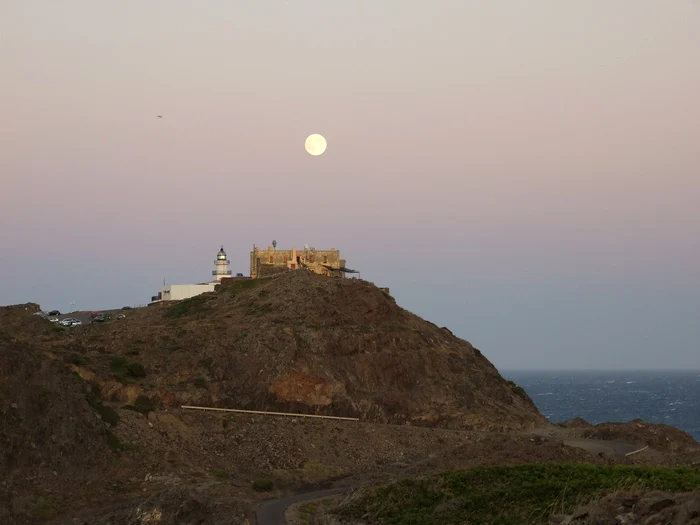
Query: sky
x,y
526,173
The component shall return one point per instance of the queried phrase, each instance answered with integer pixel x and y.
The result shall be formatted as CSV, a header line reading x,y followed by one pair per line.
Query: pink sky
x,y
475,150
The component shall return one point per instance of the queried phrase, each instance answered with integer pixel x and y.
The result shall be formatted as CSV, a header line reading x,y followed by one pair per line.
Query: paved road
x,y
272,512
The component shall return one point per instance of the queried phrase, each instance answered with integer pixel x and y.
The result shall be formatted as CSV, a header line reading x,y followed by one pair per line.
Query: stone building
x,y
264,263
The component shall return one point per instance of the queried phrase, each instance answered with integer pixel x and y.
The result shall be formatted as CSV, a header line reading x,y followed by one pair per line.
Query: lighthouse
x,y
222,263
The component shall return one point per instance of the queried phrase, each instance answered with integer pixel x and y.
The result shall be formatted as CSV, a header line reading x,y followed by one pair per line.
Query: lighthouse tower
x,y
222,263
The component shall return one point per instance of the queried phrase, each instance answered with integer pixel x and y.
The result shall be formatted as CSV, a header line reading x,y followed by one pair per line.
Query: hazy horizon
x,y
525,174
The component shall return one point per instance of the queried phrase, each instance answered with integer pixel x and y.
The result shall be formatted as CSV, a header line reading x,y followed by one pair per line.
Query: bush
x,y
108,414
118,364
115,443
143,404
262,485
200,382
221,474
79,360
136,370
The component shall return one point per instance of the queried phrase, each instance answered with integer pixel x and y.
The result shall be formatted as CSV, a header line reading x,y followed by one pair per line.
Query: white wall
x,y
175,292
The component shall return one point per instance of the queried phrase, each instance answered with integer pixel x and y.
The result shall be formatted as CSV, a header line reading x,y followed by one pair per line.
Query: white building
x,y
222,263
177,292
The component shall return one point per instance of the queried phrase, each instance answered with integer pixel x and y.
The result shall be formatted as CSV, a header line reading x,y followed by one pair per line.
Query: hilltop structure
x,y
264,263
176,292
222,262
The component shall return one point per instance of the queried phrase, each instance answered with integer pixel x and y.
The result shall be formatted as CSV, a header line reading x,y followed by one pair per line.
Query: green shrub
x,y
108,414
200,382
221,474
508,495
143,404
115,443
226,422
262,485
136,370
118,364
133,351
79,360
518,390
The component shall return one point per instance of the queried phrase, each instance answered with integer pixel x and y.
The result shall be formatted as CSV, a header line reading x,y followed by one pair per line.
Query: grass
x,y
507,495
191,306
221,474
236,287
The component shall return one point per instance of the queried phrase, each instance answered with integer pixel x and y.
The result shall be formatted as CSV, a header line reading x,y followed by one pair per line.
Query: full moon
x,y
315,144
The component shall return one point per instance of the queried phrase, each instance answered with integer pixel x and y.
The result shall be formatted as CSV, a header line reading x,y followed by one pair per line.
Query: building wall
x,y
268,262
176,292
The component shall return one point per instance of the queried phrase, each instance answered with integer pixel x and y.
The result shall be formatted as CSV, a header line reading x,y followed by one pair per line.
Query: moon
x,y
315,144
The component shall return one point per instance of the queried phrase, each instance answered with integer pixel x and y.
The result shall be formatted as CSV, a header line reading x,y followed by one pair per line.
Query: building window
x,y
325,259
272,260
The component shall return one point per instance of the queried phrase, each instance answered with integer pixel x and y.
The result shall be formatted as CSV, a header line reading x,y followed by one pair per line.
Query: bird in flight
x,y
160,116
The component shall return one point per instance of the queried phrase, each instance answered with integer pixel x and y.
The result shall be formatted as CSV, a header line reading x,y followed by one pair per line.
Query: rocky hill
x,y
300,343
91,429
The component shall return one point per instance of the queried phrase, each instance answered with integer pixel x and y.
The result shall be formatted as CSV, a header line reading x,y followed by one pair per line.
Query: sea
x,y
671,398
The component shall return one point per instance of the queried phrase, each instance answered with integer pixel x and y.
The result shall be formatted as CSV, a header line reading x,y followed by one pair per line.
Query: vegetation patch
x,y
226,422
118,364
262,485
191,306
122,368
507,495
143,404
116,444
200,382
78,360
221,474
518,390
136,370
94,399
44,508
235,287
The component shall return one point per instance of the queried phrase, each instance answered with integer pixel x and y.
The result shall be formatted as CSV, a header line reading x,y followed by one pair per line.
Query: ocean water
x,y
671,398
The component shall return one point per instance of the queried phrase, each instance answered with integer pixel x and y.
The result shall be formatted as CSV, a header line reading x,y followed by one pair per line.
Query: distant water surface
x,y
672,398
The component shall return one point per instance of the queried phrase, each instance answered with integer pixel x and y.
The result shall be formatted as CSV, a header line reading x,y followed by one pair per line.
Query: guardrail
x,y
636,451
189,407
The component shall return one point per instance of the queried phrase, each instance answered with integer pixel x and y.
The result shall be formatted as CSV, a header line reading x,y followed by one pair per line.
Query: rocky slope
x,y
301,343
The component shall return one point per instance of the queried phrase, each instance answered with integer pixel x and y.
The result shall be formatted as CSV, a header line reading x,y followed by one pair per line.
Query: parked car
x,y
53,319
126,308
68,321
99,318
121,316
54,312
76,322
